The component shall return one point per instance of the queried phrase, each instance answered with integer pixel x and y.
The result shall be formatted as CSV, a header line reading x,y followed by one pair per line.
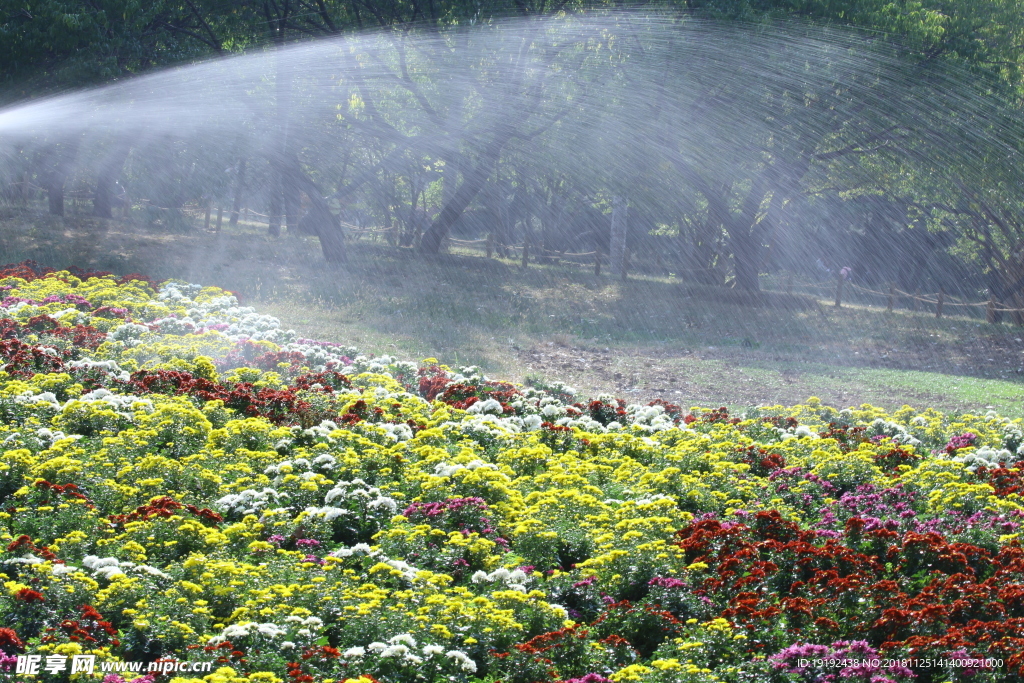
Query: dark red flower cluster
x,y
90,628
165,506
434,383
465,515
1004,481
24,542
69,490
281,406
762,462
296,674
29,596
10,642
25,360
602,412
915,594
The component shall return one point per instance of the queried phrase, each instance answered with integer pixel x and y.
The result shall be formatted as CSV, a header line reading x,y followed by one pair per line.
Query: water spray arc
x,y
739,141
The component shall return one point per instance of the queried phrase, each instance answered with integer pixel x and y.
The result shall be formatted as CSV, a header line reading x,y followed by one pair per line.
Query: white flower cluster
x,y
649,418
118,402
320,357
321,433
897,433
378,432
250,501
129,334
381,365
490,407
409,572
446,470
177,326
487,427
404,648
178,292
106,365
109,567
35,399
54,435
306,627
357,489
245,629
986,456
1013,439
243,322
300,467
515,580
357,493
799,432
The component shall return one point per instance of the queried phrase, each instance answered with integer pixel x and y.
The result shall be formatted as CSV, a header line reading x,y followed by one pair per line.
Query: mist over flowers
x,y
183,479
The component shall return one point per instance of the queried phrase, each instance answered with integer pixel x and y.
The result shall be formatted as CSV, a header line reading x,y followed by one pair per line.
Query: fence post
x,y
892,295
990,310
220,215
526,253
490,244
938,306
915,300
839,291
626,253
209,208
789,283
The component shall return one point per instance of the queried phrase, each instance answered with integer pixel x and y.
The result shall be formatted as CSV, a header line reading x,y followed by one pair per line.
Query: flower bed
x,y
183,479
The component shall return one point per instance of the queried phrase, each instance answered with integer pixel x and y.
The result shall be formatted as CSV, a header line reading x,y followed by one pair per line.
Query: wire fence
x,y
840,290
941,301
854,293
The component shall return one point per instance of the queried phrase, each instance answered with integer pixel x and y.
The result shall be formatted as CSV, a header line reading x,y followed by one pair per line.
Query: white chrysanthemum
x,y
462,660
236,631
532,422
271,630
403,638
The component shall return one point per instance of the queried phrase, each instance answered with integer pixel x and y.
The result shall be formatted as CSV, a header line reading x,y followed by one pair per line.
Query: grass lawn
x,y
652,336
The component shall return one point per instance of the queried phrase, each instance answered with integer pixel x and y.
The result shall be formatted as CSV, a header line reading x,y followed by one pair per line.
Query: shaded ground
x,y
645,338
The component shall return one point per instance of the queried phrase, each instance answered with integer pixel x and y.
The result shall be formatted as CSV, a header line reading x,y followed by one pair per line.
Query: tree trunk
x,y
320,221
292,208
472,183
746,260
746,235
55,193
995,288
236,206
106,179
620,224
274,205
57,177
450,180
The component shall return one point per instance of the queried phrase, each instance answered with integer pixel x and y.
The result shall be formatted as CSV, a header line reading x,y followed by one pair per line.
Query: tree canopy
x,y
758,135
